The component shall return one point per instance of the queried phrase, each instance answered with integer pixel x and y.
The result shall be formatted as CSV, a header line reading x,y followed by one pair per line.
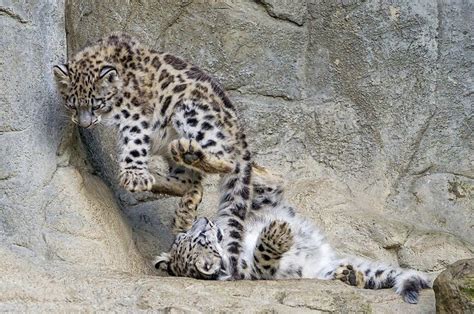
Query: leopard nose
x,y
209,265
203,222
85,119
199,225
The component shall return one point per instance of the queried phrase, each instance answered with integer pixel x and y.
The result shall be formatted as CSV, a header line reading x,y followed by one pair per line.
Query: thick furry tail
x,y
372,275
409,284
234,204
267,188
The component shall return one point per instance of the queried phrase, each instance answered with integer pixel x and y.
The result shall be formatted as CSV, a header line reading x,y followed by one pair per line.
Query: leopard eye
x,y
97,103
70,106
70,103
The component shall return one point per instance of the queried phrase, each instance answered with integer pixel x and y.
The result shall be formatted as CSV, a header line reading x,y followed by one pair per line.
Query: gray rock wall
x,y
52,209
30,126
364,106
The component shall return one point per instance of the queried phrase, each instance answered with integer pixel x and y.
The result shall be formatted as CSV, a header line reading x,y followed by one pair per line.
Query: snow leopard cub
x,y
276,244
160,105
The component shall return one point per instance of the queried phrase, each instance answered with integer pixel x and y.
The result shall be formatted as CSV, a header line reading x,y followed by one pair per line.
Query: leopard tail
x,y
373,275
234,204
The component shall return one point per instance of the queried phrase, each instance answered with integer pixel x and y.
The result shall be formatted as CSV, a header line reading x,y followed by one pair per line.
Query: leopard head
x,y
196,253
89,86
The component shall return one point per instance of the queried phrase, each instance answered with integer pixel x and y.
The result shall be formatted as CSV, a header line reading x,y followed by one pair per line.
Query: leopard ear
x,y
108,72
61,70
162,261
61,75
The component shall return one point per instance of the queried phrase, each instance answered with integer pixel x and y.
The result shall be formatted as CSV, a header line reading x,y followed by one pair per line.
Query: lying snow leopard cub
x,y
160,105
276,244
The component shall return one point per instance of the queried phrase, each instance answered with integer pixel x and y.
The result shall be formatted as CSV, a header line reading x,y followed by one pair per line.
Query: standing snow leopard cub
x,y
160,105
276,244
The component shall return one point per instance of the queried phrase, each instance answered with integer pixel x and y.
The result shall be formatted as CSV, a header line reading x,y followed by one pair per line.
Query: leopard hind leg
x,y
190,153
208,141
274,240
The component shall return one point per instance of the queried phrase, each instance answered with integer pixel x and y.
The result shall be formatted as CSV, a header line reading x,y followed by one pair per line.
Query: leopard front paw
x,y
135,180
186,151
350,276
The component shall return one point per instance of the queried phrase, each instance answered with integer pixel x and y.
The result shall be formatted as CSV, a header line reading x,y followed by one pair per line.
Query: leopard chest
x,y
161,138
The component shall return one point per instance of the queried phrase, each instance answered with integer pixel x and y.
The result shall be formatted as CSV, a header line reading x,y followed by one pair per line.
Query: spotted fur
x,y
161,105
277,244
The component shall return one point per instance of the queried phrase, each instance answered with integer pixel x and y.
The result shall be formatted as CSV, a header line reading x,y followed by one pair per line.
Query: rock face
x,y
363,116
70,290
454,288
52,207
364,106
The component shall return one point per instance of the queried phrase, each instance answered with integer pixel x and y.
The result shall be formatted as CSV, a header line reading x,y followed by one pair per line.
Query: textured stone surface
x,y
32,287
51,207
291,11
365,107
29,121
454,288
347,94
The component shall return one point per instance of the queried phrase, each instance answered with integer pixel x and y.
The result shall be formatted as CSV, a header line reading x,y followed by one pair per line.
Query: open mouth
x,y
214,276
221,272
